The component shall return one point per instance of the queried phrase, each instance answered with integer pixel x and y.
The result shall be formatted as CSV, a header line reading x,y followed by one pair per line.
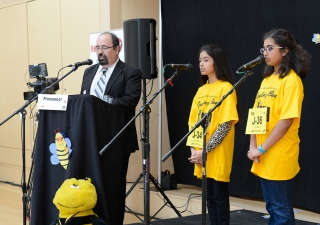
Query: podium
x,y
89,123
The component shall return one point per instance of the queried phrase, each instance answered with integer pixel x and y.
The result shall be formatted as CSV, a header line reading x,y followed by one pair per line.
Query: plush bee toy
x,y
75,200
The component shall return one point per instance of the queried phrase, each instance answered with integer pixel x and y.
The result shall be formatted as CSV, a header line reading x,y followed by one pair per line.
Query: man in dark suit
x,y
123,83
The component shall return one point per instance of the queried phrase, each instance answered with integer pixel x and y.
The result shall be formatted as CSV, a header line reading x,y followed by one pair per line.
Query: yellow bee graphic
x,y
316,38
61,149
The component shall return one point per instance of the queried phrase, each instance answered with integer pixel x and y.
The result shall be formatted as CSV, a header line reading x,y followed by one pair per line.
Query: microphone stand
x,y
204,155
145,109
23,118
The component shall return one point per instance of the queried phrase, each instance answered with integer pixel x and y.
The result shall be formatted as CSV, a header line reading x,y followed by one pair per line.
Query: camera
x,y
39,71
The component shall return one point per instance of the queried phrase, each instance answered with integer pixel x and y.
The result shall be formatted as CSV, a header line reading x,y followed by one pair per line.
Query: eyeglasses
x,y
268,49
97,48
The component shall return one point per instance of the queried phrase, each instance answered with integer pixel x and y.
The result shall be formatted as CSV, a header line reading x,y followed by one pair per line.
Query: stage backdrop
x,y
237,27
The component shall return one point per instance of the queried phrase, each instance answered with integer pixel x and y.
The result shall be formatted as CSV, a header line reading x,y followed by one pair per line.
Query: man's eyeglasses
x,y
268,49
97,48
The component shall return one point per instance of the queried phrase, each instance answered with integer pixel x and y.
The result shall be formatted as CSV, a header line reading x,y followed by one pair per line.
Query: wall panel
x,y
78,19
7,3
44,35
13,67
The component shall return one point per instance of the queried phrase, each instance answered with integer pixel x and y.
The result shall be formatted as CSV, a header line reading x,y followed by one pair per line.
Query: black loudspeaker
x,y
140,45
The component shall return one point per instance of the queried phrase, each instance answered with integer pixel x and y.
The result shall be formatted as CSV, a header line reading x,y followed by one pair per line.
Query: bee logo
x,y
61,149
316,38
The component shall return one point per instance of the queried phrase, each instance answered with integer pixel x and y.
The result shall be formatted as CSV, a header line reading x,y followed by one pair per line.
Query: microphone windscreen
x,y
89,61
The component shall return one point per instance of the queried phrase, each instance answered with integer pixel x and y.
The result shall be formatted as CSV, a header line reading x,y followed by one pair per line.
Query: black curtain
x,y
237,27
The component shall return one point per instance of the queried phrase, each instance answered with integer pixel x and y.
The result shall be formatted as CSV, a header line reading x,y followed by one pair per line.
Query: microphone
x,y
253,63
77,64
181,66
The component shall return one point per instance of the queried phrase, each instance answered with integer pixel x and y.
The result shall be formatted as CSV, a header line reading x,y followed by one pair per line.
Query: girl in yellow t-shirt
x,y
217,80
275,153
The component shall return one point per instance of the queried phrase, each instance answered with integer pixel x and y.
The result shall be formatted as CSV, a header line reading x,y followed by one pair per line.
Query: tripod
x,y
30,179
146,167
23,113
145,110
24,187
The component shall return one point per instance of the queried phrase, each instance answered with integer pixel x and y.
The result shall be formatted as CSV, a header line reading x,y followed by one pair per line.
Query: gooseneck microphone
x,y
253,63
180,66
77,64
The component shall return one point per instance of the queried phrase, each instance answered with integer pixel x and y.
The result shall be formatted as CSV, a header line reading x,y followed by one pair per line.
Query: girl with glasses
x,y
275,153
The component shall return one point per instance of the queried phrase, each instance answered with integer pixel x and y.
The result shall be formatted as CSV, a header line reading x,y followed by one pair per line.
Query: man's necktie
x,y
101,85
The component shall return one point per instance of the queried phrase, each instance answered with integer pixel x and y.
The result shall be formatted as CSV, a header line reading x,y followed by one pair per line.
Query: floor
x,y
237,217
182,197
11,205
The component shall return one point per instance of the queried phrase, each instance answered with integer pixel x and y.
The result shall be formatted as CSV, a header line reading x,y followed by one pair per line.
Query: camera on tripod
x,y
39,71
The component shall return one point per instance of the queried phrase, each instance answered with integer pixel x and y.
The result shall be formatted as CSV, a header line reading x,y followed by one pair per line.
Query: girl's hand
x,y
254,155
196,157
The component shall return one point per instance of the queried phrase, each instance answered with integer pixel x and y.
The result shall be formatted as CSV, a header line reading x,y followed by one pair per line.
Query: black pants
x,y
122,189
218,202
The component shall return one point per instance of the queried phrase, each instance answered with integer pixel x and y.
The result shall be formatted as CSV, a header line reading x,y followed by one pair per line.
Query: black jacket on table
x,y
124,86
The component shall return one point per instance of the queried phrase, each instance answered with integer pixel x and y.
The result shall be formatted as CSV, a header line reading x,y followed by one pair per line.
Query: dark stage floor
x,y
237,217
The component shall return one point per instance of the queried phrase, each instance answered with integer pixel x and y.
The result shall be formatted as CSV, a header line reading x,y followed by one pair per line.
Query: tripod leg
x,y
129,191
29,193
136,215
23,185
134,184
164,195
30,179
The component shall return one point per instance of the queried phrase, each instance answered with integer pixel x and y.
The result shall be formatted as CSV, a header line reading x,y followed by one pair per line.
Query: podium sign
x,y
52,102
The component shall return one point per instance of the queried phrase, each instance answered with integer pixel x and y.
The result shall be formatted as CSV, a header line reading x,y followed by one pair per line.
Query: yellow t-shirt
x,y
283,97
219,160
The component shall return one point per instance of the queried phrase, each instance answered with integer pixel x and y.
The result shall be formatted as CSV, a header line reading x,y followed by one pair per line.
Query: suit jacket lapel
x,y
115,74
